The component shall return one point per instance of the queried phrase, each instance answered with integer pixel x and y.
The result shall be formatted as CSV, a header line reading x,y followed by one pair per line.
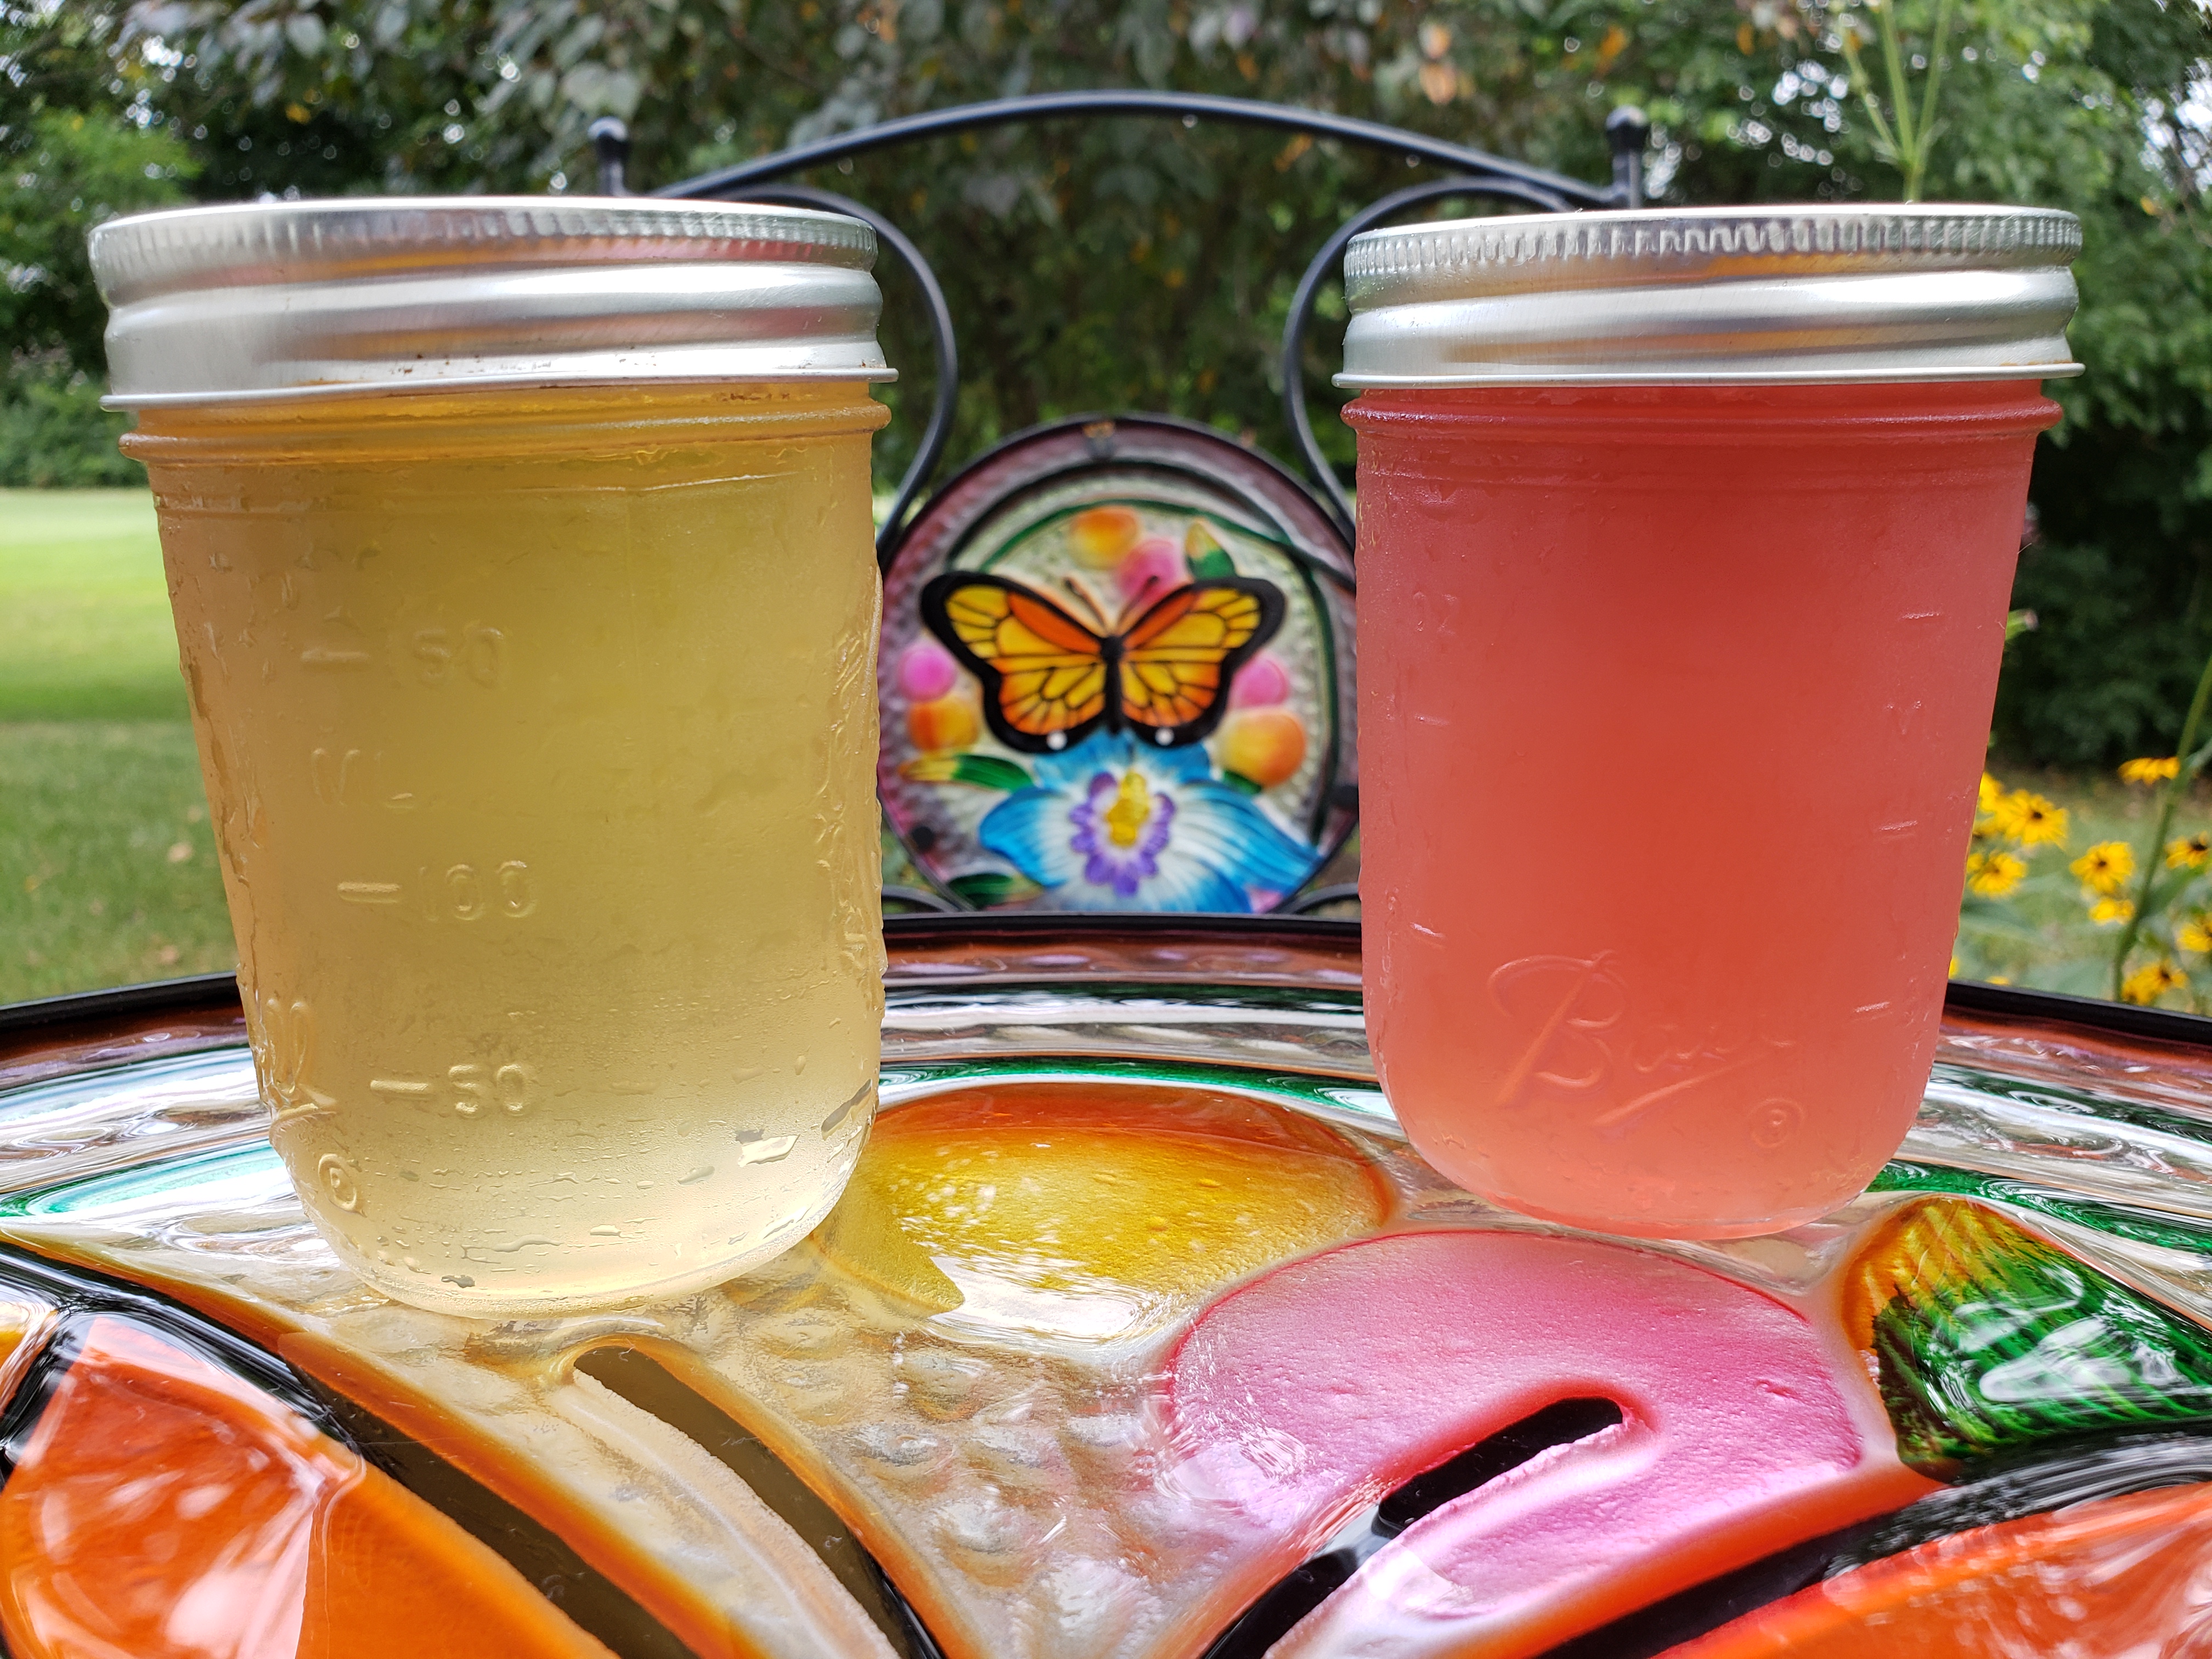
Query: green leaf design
x,y
1988,1341
1210,565
984,771
1238,782
991,772
986,889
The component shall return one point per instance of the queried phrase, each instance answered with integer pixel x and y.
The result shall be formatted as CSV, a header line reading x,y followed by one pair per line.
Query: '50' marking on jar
x,y
472,1088
1574,1012
477,652
439,656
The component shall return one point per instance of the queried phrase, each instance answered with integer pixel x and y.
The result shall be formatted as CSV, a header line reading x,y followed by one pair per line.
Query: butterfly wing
x,y
1044,673
1176,662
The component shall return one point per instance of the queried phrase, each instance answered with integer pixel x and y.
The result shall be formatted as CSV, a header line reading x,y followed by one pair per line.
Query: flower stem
x,y
1900,102
2192,761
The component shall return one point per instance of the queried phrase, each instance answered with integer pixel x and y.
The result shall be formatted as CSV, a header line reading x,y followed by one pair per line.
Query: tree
x,y
79,142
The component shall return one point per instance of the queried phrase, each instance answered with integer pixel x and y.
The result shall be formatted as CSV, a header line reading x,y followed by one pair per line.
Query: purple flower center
x,y
1121,826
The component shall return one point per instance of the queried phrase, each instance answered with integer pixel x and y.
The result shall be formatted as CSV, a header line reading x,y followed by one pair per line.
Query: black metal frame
x,y
1475,173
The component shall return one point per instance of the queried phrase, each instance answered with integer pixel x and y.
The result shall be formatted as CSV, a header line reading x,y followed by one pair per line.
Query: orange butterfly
x,y
1050,682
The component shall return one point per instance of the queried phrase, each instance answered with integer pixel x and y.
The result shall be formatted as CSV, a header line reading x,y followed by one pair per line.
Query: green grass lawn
x,y
84,612
107,871
108,868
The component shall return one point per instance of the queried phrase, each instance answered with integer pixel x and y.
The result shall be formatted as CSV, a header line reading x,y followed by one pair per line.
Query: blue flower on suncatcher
x,y
1113,825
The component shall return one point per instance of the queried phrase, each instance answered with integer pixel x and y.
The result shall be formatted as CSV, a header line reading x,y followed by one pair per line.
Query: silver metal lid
x,y
282,299
1714,296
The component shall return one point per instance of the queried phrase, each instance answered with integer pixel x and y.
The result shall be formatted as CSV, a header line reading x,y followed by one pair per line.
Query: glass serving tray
x,y
1140,1332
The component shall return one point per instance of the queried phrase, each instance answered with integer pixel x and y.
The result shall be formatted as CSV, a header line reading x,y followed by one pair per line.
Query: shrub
x,y
53,432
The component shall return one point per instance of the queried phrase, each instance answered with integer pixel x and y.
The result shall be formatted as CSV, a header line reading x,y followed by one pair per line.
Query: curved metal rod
x,y
926,903
939,430
1563,191
1301,903
1302,309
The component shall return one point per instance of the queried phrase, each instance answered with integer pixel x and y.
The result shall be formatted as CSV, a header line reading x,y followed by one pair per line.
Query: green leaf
x,y
987,889
1237,781
1211,565
984,771
990,772
2074,1352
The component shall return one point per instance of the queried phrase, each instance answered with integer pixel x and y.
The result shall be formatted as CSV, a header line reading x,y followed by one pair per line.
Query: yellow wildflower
x,y
1955,966
2106,867
2194,935
2107,911
1994,874
2147,985
1992,792
2189,851
2150,770
2029,819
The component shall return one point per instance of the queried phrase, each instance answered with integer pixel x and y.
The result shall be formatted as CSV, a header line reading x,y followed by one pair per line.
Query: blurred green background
x,y
107,870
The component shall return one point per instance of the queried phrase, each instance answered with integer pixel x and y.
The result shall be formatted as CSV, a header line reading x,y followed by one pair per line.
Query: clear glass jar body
x,y
1673,706
540,730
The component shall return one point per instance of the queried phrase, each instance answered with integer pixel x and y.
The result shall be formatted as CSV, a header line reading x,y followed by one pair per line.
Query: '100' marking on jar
x,y
1574,1012
461,892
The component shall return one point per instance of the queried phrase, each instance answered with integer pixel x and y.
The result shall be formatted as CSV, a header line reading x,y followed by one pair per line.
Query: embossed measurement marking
x,y
281,1036
350,777
475,651
476,1086
479,652
463,893
460,893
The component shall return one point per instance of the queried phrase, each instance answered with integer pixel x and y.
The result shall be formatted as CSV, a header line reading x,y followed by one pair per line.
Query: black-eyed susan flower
x,y
2195,934
2147,984
2109,912
1993,875
2189,851
2106,867
2149,769
2029,819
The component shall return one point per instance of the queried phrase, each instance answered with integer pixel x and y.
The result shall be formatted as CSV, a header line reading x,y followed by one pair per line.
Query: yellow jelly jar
x,y
521,560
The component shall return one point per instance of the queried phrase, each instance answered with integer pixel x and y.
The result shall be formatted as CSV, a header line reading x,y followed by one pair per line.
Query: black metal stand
x,y
1474,173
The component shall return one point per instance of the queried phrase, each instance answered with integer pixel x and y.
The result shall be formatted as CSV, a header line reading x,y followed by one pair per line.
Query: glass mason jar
x,y
521,558
1685,540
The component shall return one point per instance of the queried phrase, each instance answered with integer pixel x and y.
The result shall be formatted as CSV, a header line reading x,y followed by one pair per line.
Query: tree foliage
x,y
1123,263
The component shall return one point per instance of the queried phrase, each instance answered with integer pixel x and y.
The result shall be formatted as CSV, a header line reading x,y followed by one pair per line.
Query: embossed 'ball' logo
x,y
337,1179
1776,1122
